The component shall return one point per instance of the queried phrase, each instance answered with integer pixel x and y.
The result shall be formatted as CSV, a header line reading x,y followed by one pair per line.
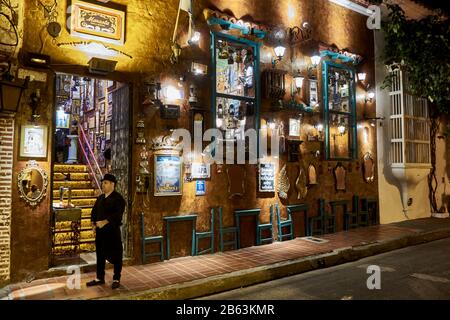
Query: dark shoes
x,y
115,284
95,282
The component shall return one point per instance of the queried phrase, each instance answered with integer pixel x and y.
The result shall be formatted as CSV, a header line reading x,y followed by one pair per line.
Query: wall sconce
x,y
195,38
361,76
298,80
10,94
369,96
171,93
315,60
279,52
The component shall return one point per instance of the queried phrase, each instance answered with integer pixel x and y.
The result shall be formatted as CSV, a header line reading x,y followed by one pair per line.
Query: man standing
x,y
106,220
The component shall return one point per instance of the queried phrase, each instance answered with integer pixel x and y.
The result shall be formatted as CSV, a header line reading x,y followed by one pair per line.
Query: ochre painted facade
x,y
149,30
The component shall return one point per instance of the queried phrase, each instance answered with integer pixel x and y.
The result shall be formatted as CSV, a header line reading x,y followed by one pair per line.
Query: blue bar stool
x,y
283,224
225,231
203,235
263,227
148,240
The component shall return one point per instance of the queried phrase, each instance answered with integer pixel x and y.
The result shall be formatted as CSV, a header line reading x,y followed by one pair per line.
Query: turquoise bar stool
x,y
352,217
226,231
322,223
204,235
265,227
148,240
284,224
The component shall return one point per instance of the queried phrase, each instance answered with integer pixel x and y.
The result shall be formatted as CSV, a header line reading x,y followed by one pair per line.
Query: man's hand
x,y
102,223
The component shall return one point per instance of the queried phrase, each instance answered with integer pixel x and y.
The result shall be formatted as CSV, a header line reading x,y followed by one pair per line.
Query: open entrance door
x,y
91,139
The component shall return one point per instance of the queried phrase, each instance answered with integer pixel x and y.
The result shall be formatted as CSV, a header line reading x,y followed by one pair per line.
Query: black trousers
x,y
108,247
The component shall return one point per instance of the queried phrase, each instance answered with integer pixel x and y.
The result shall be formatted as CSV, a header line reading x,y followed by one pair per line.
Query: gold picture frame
x,y
97,22
33,141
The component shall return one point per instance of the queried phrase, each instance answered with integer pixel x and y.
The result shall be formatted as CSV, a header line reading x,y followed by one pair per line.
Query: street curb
x,y
243,278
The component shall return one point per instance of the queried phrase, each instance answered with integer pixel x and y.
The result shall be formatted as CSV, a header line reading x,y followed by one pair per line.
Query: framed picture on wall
x,y
97,22
102,107
168,175
109,114
108,130
91,122
100,89
33,141
110,98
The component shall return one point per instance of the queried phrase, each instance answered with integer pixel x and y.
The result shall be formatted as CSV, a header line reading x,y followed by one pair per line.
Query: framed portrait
x,y
109,113
91,122
33,141
100,89
62,120
168,175
108,130
102,107
97,122
97,22
294,127
110,98
91,138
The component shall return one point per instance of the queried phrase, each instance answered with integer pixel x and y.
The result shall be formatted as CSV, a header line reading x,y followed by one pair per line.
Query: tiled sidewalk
x,y
185,269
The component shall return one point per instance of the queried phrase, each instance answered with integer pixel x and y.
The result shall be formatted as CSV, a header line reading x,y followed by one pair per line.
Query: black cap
x,y
109,177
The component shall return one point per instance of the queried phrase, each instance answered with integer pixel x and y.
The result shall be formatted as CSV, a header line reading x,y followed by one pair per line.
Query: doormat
x,y
315,240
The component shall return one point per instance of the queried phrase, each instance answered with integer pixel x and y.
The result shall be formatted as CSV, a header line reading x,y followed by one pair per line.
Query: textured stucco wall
x,y
148,34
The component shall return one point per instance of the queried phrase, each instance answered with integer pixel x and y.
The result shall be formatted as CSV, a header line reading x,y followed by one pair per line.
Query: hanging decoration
x,y
283,183
300,183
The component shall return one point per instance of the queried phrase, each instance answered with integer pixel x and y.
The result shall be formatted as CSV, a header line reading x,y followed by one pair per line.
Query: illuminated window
x,y
340,111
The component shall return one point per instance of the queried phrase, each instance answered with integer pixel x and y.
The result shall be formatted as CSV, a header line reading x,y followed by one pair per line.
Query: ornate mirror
x,y
339,175
368,168
32,183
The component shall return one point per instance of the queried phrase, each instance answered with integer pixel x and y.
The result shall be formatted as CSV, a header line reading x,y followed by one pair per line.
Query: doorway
x,y
91,138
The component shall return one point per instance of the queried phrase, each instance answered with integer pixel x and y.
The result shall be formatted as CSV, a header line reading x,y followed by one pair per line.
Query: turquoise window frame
x,y
257,99
353,146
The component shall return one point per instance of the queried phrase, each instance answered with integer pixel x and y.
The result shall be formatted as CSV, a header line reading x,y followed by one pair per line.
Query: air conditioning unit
x,y
101,66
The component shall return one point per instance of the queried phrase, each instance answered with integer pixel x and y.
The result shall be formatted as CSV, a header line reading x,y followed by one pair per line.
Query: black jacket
x,y
110,208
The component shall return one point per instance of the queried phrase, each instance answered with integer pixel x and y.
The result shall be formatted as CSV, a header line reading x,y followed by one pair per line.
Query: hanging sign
x,y
266,177
201,170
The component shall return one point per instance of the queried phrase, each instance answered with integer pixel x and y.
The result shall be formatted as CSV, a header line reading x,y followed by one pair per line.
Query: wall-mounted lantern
x,y
10,94
279,53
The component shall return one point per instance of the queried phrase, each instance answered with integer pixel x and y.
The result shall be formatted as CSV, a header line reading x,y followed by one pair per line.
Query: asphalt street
x,y
415,273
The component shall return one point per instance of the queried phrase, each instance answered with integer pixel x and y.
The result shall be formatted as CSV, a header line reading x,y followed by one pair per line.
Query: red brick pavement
x,y
155,275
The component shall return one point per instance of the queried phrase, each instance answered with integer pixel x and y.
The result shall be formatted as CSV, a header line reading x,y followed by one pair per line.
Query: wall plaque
x,y
97,22
266,177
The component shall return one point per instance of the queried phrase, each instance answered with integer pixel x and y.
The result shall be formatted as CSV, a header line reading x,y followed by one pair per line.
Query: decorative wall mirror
x,y
32,183
368,168
312,174
339,175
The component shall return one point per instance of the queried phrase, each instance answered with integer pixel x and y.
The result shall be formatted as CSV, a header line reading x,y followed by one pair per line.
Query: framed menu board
x,y
266,177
